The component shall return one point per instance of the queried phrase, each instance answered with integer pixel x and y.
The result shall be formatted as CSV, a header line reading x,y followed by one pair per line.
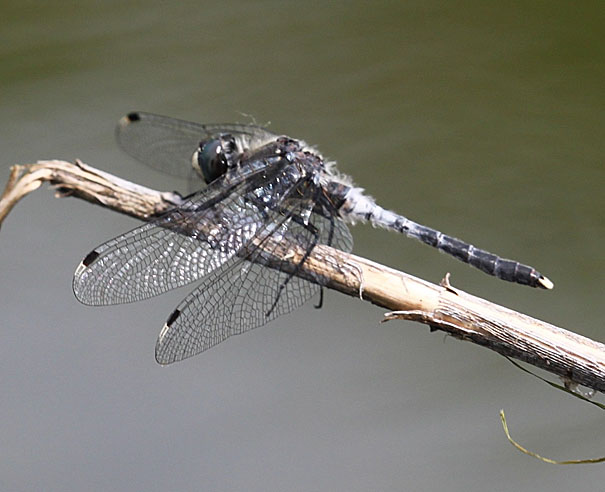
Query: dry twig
x,y
576,359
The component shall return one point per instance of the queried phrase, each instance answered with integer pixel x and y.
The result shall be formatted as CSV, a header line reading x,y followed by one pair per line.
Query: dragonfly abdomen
x,y
359,206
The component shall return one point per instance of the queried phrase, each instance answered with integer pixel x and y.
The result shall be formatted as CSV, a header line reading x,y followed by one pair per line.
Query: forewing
x,y
179,247
167,144
242,294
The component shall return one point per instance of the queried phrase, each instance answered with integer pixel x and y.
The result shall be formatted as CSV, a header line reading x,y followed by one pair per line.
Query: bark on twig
x,y
86,182
575,358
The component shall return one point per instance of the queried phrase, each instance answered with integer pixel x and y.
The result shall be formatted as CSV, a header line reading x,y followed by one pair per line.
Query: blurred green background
x,y
481,119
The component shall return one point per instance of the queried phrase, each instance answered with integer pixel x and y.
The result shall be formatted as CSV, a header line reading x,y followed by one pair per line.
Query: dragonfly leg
x,y
315,232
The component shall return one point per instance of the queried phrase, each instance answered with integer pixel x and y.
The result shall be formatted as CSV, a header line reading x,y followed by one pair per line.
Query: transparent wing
x,y
179,247
243,294
167,144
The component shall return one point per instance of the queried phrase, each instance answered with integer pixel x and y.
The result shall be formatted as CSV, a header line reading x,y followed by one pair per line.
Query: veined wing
x,y
167,144
245,293
179,247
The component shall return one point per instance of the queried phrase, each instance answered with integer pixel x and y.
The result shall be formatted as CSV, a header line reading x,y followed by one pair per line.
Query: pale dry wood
x,y
88,183
576,359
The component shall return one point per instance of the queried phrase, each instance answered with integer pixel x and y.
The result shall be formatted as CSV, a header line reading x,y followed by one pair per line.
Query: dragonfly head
x,y
213,157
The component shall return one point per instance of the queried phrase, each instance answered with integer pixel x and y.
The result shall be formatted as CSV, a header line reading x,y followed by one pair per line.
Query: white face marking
x,y
195,163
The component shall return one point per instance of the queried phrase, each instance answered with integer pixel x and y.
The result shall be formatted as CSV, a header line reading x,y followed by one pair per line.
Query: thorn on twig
x,y
445,283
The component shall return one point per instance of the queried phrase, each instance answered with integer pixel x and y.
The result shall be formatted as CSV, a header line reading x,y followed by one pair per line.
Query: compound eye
x,y
210,160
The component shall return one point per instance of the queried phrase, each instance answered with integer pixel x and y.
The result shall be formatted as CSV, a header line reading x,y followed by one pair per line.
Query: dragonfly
x,y
262,192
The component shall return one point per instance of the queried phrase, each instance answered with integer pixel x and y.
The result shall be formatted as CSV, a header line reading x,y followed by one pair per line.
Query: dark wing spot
x,y
133,117
90,257
175,314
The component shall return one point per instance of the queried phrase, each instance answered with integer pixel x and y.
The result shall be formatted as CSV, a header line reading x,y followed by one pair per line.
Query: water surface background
x,y
484,120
